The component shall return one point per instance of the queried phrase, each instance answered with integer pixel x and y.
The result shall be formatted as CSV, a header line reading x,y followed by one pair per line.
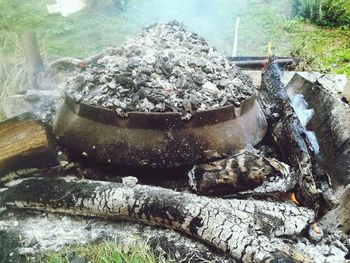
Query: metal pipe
x,y
235,39
259,62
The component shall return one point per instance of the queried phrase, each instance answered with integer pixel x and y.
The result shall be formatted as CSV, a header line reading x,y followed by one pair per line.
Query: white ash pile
x,y
165,69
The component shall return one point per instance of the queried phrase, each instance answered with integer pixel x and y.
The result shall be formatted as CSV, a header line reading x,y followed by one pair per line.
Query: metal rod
x,y
235,40
258,63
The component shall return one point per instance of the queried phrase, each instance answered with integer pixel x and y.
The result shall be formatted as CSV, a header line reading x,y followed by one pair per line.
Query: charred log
x,y
290,137
251,231
331,124
249,169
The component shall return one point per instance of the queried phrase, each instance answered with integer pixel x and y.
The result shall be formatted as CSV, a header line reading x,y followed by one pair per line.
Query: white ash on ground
x,y
165,69
42,233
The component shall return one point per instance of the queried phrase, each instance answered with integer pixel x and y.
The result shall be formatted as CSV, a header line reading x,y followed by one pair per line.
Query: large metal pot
x,y
158,140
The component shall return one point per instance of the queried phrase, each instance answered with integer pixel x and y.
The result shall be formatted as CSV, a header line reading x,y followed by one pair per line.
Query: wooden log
x,y
290,137
25,143
248,230
248,169
331,123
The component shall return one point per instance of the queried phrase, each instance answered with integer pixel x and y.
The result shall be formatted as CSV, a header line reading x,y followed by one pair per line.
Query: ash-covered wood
x,y
166,69
290,137
249,169
249,230
24,143
338,219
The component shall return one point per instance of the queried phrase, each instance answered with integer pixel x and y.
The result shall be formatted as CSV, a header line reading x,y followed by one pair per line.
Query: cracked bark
x,y
290,137
248,230
331,124
249,170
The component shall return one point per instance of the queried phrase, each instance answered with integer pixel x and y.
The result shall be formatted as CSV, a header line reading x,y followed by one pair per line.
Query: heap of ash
x,y
165,69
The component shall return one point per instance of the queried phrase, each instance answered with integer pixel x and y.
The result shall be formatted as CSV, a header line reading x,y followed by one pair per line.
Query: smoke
x,y
215,20
304,114
212,19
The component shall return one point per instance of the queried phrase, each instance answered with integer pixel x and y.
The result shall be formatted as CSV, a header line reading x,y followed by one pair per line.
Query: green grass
x,y
105,252
78,35
12,67
322,49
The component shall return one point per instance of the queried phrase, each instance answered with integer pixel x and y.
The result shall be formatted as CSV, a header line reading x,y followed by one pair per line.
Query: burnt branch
x,y
290,136
249,170
248,230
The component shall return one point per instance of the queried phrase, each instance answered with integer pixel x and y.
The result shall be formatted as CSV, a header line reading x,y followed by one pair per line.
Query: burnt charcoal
x,y
166,68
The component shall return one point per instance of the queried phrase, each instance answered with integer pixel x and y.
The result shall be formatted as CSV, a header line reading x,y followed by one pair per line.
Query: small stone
x,y
64,163
112,84
15,223
122,91
78,97
237,82
210,88
315,233
187,105
129,181
223,101
146,104
149,59
224,83
160,106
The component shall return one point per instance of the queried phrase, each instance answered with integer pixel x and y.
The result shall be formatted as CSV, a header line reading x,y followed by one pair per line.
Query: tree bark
x,y
290,137
249,169
24,143
251,231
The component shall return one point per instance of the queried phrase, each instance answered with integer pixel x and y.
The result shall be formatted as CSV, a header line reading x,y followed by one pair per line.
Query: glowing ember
x,y
294,199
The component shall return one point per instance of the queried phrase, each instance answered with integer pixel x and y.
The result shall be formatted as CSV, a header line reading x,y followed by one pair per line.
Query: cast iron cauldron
x,y
157,140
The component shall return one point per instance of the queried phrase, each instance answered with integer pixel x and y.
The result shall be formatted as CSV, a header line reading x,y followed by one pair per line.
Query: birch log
x,y
331,123
290,137
251,231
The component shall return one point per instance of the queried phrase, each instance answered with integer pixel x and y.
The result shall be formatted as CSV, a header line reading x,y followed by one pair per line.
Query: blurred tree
x,y
324,12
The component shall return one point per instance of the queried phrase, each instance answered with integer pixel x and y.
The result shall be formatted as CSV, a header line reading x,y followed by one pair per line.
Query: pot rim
x,y
159,119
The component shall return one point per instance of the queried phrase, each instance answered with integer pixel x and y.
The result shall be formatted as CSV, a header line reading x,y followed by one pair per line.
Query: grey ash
x,y
166,69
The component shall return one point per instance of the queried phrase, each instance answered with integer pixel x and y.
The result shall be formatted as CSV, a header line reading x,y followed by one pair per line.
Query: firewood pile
x,y
282,200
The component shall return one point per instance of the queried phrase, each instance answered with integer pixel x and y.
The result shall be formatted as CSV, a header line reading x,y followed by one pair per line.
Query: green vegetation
x,y
105,252
325,12
323,49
